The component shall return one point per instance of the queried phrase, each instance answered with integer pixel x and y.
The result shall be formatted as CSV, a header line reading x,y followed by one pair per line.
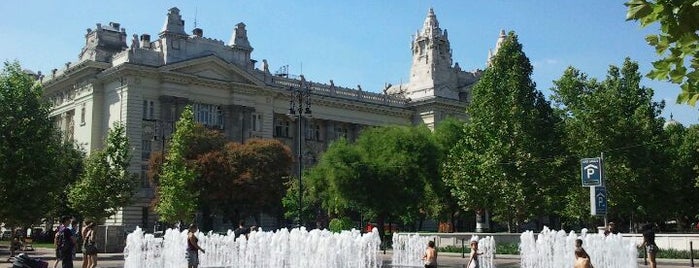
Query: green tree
x,y
106,185
317,193
383,175
70,167
506,163
441,203
177,197
681,159
32,172
677,44
617,117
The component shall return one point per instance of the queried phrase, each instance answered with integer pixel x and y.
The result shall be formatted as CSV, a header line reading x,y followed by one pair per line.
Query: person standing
x,y
430,256
241,230
89,246
473,262
56,243
76,235
582,260
578,245
193,247
611,229
65,244
15,242
649,244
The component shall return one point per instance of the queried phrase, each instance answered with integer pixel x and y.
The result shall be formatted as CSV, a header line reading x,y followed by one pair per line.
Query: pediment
x,y
212,68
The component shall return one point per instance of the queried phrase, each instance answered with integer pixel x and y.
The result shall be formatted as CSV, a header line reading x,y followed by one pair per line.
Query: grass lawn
x,y
6,243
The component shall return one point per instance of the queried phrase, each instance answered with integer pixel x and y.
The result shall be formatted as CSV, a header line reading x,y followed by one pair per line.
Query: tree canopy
x,y
177,198
677,44
617,117
35,165
507,161
242,180
383,175
106,185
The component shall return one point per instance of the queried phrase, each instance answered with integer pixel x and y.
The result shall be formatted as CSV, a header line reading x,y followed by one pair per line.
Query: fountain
x,y
408,250
283,248
556,249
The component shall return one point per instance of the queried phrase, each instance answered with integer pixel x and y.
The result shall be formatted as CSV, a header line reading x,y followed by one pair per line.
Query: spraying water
x,y
408,250
283,248
553,249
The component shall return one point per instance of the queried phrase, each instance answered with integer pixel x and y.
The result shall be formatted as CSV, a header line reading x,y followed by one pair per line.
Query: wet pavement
x,y
108,260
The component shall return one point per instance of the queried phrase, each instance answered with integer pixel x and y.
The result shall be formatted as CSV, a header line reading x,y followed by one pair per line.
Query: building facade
x,y
147,83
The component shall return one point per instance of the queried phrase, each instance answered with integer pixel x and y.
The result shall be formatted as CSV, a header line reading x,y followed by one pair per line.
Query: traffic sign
x,y
598,200
591,171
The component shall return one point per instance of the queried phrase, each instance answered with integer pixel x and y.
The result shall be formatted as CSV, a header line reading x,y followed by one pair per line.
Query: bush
x,y
500,248
666,253
337,225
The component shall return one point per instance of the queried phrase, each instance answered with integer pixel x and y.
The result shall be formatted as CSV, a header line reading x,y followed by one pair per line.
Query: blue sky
x,y
355,42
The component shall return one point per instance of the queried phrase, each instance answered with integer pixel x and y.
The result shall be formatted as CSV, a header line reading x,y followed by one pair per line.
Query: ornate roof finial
x,y
498,44
240,37
174,23
431,25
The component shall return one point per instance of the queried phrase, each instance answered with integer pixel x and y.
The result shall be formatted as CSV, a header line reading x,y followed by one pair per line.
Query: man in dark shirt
x,y
66,242
242,230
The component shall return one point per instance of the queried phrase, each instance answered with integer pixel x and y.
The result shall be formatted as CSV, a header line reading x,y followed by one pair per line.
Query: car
x,y
6,235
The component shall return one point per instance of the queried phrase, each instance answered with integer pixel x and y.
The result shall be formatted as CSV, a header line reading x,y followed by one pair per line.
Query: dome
x,y
671,122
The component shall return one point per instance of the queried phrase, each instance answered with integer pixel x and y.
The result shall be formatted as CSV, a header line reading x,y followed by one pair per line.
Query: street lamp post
x,y
299,105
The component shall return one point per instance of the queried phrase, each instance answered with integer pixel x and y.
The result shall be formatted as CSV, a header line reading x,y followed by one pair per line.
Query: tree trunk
x,y
452,220
381,219
207,223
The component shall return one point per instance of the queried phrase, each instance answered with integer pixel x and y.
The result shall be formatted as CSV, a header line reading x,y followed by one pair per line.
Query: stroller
x,y
24,261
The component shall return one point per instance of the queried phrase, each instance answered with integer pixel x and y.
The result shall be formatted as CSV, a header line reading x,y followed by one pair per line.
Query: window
x,y
145,149
144,218
144,177
340,131
256,122
208,115
463,96
70,125
313,131
148,109
82,115
281,128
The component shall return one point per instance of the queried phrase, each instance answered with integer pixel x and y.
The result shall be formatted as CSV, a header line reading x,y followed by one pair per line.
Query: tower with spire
x,y
498,44
431,53
438,87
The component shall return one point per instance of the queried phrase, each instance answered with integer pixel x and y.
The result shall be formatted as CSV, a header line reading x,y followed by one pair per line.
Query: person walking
x,y
649,244
193,247
430,256
56,242
89,245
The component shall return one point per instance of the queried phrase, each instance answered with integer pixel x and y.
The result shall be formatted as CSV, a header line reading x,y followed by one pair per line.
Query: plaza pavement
x,y
109,260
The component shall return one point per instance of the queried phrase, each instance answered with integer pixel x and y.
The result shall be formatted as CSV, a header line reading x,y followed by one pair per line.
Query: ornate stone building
x,y
148,83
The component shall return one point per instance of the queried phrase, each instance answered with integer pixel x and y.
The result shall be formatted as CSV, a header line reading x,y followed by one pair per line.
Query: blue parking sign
x,y
591,171
598,201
